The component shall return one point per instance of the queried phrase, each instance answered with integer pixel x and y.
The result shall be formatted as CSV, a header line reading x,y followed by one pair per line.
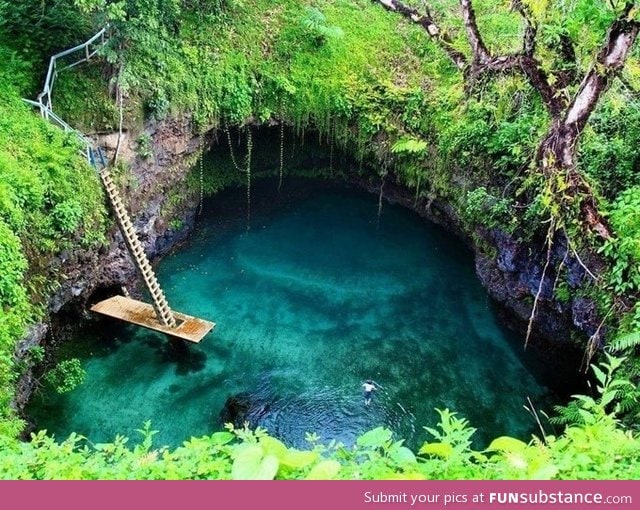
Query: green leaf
x,y
326,470
402,455
410,146
443,450
251,464
587,416
376,438
268,468
273,446
296,459
507,444
544,472
600,375
607,397
220,438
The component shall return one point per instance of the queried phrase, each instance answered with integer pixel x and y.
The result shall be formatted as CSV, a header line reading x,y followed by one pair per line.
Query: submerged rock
x,y
244,408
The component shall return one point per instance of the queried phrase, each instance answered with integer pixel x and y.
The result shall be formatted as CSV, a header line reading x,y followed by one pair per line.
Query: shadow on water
x,y
315,298
188,359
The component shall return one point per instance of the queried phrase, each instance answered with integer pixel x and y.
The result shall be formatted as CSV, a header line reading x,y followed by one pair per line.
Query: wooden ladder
x,y
160,304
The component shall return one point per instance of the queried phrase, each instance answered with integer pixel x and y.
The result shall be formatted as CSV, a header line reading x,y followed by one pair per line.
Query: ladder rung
x,y
161,306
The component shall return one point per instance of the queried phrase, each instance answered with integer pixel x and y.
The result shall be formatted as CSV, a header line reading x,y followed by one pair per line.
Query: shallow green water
x,y
315,298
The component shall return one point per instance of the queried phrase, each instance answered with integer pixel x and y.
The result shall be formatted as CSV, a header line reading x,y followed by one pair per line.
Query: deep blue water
x,y
316,297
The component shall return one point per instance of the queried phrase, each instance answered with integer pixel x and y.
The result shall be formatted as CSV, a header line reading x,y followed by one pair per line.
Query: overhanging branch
x,y
609,62
530,28
426,21
480,53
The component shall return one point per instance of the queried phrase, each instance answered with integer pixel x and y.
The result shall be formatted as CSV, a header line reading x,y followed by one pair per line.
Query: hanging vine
x,y
383,175
201,173
281,154
233,158
248,171
331,135
549,242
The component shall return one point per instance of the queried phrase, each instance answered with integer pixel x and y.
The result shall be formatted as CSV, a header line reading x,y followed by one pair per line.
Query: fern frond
x,y
567,415
624,342
627,404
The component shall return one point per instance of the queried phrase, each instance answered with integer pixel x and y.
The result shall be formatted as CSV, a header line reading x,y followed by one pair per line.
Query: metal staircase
x,y
160,304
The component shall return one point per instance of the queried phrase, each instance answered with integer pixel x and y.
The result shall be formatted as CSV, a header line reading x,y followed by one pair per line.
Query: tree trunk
x,y
557,153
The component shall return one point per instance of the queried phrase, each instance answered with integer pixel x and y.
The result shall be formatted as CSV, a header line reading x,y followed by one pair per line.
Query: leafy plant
x,y
624,249
624,342
144,148
485,209
66,376
613,396
409,146
67,215
315,22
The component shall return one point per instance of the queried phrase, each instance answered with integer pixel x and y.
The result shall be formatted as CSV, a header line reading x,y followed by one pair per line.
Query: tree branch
x,y
531,68
480,53
530,28
427,22
524,61
609,61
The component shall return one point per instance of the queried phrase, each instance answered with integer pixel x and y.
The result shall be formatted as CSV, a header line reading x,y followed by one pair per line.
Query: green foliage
x,y
36,354
377,87
67,216
624,342
614,395
67,375
315,23
409,146
49,199
13,264
144,148
607,150
34,30
485,209
624,250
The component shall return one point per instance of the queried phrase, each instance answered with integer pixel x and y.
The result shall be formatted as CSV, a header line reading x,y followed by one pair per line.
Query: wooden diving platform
x,y
142,314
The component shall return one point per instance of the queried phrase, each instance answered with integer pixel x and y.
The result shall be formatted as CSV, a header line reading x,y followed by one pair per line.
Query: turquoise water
x,y
316,297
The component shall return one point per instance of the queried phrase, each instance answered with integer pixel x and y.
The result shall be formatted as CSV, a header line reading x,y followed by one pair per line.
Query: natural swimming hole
x,y
316,297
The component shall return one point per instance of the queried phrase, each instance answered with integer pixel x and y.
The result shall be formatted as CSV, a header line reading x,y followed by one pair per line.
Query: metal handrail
x,y
52,71
43,100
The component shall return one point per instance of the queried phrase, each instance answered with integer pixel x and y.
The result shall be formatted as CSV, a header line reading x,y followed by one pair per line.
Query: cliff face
x,y
512,278
150,184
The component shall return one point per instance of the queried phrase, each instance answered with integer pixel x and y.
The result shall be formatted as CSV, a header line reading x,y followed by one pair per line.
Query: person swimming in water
x,y
369,388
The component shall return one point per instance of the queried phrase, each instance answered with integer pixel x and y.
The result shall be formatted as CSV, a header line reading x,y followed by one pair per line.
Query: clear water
x,y
315,298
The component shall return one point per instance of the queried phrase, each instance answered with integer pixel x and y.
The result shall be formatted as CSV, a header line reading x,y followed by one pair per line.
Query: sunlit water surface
x,y
316,297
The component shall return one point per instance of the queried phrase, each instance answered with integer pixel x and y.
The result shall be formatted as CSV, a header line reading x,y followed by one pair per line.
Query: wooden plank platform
x,y
142,314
